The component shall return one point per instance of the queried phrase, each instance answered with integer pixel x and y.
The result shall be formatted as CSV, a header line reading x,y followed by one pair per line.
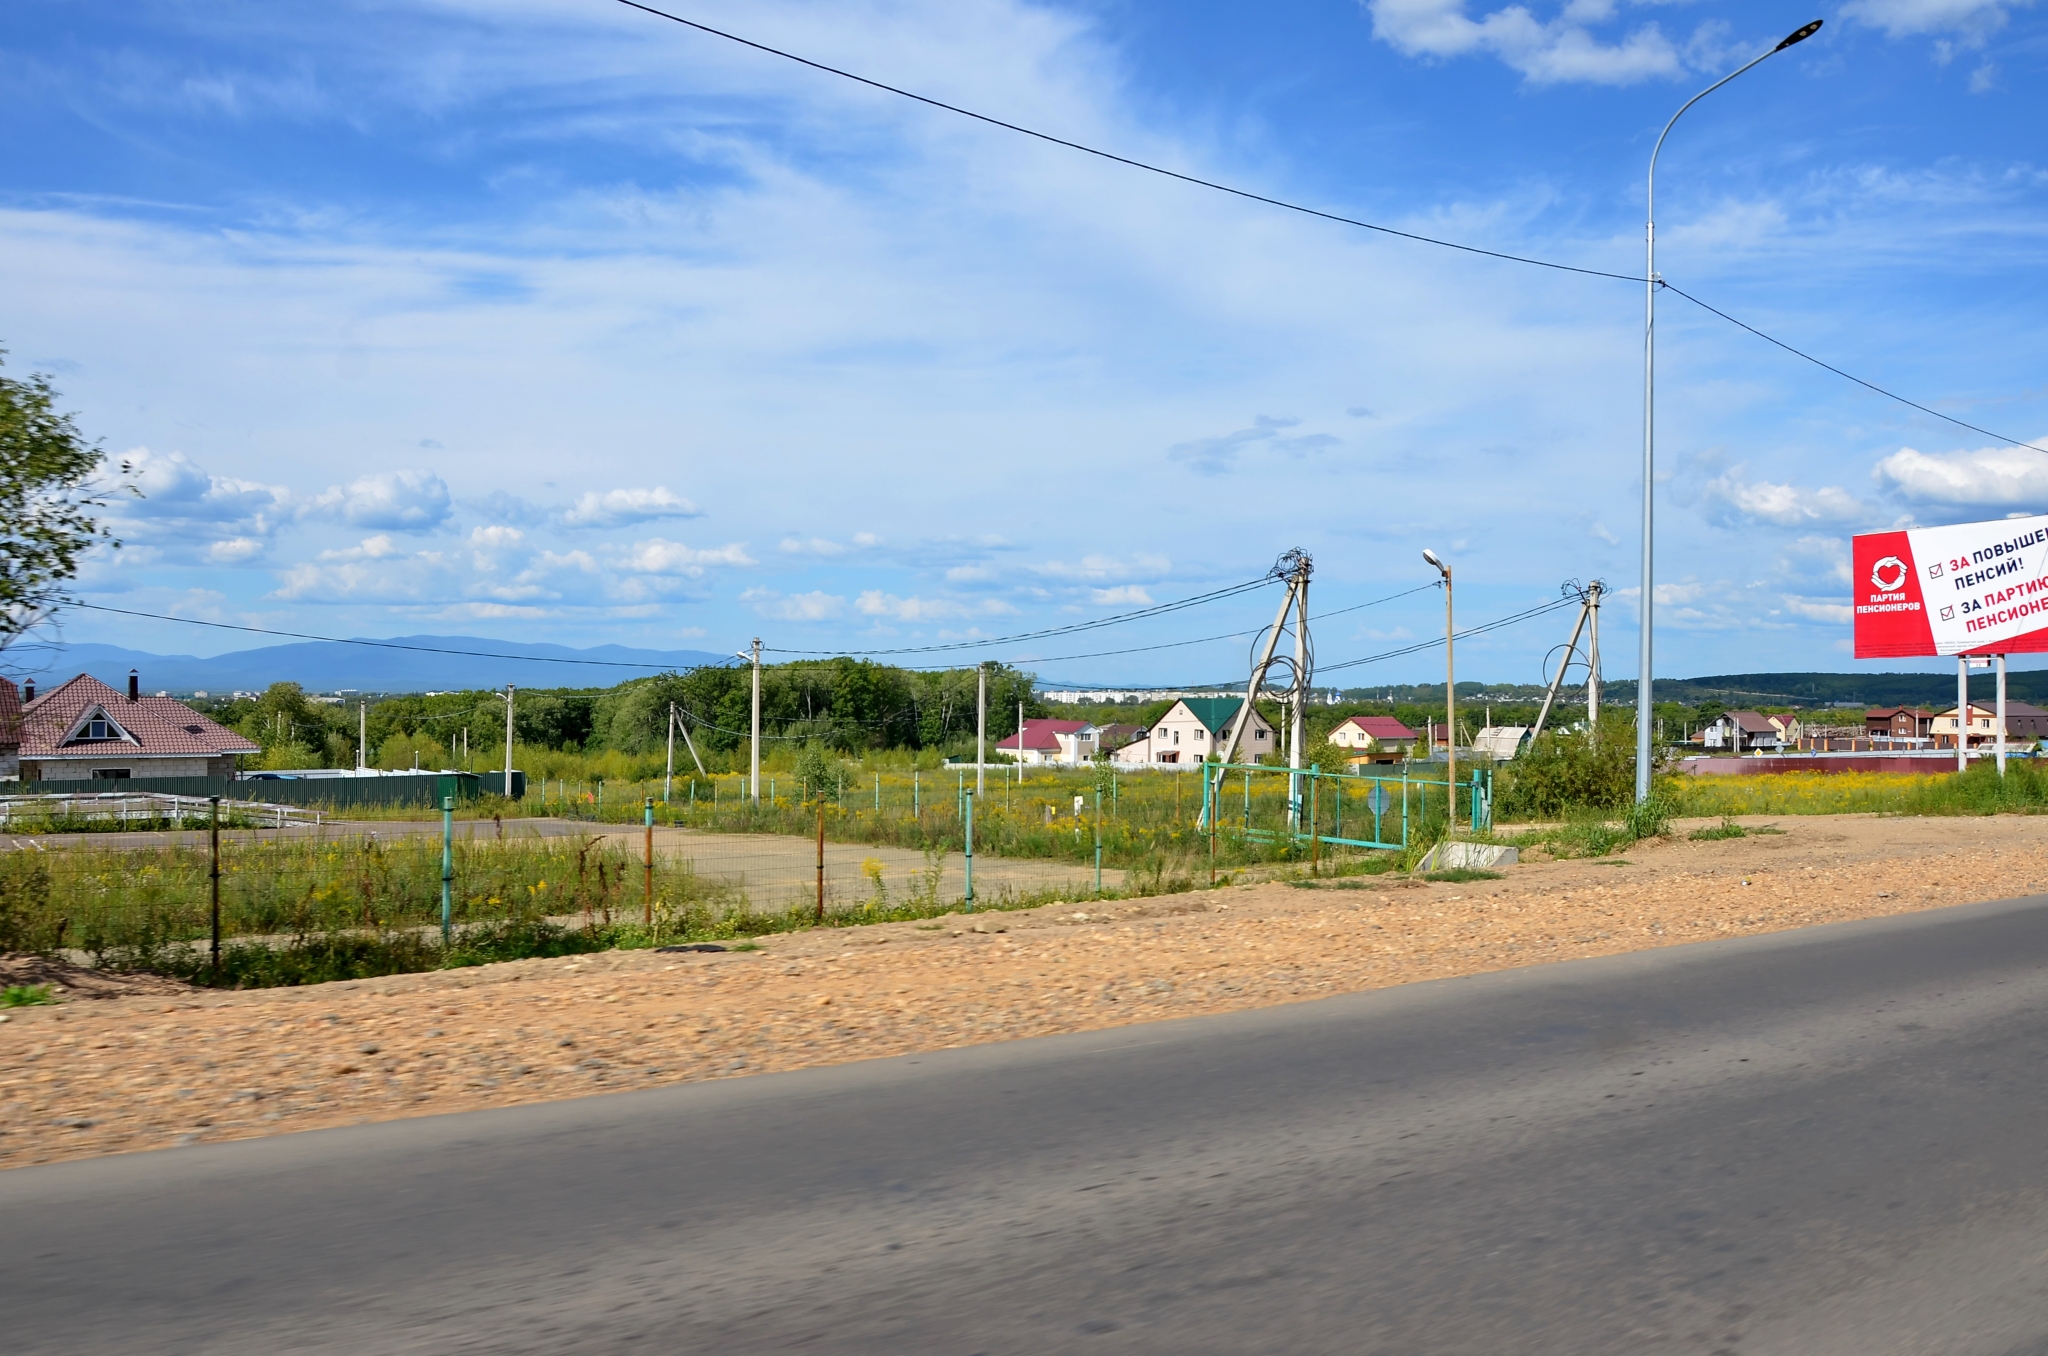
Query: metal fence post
x,y
213,825
821,859
968,822
647,919
447,869
1098,842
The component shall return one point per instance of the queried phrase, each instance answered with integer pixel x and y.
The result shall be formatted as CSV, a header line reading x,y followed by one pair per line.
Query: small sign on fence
x,y
1378,798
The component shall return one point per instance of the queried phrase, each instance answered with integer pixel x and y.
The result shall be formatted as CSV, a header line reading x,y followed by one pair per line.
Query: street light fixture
x,y
1450,694
1644,685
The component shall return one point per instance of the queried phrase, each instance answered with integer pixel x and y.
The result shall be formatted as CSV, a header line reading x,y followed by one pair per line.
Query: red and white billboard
x,y
1975,588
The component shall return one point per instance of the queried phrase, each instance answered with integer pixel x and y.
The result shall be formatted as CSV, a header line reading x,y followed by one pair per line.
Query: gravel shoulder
x,y
122,1066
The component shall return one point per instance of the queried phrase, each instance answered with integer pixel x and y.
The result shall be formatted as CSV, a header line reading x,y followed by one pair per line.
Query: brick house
x,y
2024,723
1899,722
87,731
1067,743
1382,738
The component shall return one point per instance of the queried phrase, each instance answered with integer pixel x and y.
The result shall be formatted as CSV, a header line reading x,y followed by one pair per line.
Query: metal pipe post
x,y
647,916
980,729
508,741
1962,713
1999,718
967,822
755,755
213,833
821,859
447,868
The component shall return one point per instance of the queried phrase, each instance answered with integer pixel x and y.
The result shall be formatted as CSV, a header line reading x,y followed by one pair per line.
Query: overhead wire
x,y
1155,610
1119,159
1300,208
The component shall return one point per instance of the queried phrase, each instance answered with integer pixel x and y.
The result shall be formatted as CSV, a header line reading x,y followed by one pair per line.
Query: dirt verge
x,y
168,1065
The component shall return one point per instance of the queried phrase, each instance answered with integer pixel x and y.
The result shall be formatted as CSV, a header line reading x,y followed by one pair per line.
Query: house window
x,y
109,774
97,728
1262,734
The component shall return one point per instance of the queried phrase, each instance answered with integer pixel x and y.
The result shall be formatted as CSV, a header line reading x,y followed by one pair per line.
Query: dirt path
x,y
147,1070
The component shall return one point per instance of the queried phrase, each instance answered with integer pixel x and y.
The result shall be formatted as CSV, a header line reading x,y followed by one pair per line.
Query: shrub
x,y
1569,770
24,899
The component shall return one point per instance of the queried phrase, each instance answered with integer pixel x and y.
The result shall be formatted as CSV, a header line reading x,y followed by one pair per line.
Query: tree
x,y
47,494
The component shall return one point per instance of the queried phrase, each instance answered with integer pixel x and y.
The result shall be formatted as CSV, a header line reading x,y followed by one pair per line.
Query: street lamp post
x,y
1450,693
1644,706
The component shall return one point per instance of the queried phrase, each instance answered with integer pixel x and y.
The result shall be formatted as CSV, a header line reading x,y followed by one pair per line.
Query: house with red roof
x,y
87,731
1065,743
1382,737
10,731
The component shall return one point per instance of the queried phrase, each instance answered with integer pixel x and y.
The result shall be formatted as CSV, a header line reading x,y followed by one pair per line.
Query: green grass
x,y
1727,828
1460,875
27,996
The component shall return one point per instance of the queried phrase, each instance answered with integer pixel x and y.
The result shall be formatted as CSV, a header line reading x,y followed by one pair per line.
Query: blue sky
x,y
554,321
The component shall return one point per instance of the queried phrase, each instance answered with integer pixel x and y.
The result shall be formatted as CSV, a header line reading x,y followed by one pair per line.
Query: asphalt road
x,y
1831,1141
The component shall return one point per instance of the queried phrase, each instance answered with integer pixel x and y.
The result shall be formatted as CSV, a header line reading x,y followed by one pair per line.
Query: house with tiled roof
x,y
1194,729
1382,738
10,731
1065,743
1743,732
87,731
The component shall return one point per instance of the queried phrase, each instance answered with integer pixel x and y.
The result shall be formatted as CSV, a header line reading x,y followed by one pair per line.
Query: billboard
x,y
1974,588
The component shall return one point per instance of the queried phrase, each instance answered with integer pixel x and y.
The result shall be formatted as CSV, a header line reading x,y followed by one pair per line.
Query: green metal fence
x,y
423,789
1349,809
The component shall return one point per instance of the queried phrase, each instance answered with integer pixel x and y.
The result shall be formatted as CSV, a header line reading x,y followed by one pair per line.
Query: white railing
x,y
145,809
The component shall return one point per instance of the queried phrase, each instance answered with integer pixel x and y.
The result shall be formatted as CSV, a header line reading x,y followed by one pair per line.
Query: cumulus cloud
x,y
1096,568
1731,500
1820,610
1131,595
658,555
186,512
1213,456
1969,21
612,508
378,547
889,607
1992,477
1559,50
496,535
401,501
813,606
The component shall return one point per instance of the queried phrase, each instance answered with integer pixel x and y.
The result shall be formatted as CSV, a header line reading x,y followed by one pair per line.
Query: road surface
x,y
1808,1143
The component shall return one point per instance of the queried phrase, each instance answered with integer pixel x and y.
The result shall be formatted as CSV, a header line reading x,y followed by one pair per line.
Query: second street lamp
x,y
1644,684
1450,693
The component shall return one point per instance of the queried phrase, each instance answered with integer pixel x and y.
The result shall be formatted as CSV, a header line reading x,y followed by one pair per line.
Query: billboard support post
x,y
1999,717
1962,713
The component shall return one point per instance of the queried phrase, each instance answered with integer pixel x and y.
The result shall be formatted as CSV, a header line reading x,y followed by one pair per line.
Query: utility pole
x,y
756,754
1298,715
1450,691
508,741
668,775
980,729
1295,567
1593,659
362,734
1020,743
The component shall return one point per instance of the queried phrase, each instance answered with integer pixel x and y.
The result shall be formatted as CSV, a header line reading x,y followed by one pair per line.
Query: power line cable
x,y
1479,630
1156,610
1848,376
387,644
1306,211
1112,156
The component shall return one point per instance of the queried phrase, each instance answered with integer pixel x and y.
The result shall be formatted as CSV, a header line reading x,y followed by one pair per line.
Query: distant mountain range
x,y
328,665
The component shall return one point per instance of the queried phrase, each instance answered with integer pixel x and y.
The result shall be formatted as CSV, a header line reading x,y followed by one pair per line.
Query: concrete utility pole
x,y
362,734
1645,707
1298,716
508,741
1295,567
668,774
755,756
1593,660
981,729
1450,690
1020,743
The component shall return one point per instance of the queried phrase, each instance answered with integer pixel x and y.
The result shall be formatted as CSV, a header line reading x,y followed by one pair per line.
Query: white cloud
x,y
404,501
1992,477
657,555
184,511
1971,21
378,547
814,606
1095,568
1729,499
612,508
876,603
1563,49
1213,456
1834,613
234,551
496,536
1132,595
